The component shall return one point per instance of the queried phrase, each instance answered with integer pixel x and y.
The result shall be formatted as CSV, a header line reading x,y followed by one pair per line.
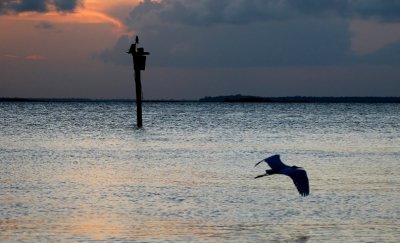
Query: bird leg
x,y
259,176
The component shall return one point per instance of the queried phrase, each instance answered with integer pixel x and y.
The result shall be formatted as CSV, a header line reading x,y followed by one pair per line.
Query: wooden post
x,y
139,98
139,63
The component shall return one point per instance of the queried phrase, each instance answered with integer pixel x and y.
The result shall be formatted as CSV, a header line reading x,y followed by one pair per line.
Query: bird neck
x,y
271,172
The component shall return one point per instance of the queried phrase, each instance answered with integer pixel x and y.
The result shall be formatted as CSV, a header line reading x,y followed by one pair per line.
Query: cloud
x,y
209,12
31,57
49,12
9,56
45,25
387,55
35,57
41,6
117,53
250,33
66,5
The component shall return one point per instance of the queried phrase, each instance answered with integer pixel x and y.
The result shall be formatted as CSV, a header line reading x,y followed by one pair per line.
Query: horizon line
x,y
229,99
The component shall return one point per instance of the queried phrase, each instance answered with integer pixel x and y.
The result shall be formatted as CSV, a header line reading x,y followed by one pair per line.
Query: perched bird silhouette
x,y
298,174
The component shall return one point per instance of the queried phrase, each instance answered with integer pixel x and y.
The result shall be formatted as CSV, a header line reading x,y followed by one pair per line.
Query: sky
x,y
77,48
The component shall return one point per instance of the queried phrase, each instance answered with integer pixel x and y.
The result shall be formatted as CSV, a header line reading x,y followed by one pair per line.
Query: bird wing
x,y
300,179
275,162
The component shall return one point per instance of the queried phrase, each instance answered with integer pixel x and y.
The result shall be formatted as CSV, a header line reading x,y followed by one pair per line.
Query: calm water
x,y
82,172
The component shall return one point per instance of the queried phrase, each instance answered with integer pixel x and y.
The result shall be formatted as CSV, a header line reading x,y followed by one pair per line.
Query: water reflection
x,y
96,227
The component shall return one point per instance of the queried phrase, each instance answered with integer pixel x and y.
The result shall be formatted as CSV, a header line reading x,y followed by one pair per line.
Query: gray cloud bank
x,y
19,6
237,33
208,12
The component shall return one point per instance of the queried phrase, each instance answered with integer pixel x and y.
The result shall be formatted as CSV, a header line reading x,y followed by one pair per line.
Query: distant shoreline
x,y
227,99
299,99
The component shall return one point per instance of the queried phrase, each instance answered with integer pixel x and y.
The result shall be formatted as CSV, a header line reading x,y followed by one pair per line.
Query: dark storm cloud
x,y
66,5
304,42
234,33
25,5
387,55
18,6
116,54
206,12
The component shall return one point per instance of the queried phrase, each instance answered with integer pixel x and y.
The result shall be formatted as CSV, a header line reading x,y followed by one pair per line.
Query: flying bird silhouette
x,y
298,174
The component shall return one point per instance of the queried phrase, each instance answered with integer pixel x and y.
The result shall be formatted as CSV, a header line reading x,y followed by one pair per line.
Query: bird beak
x,y
258,163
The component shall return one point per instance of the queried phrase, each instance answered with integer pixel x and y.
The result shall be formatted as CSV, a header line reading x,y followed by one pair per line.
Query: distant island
x,y
299,99
229,99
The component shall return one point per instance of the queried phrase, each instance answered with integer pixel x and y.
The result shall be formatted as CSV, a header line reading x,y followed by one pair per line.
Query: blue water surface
x,y
83,172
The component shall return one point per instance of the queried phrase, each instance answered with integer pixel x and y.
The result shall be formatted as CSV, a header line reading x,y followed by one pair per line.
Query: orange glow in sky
x,y
93,12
